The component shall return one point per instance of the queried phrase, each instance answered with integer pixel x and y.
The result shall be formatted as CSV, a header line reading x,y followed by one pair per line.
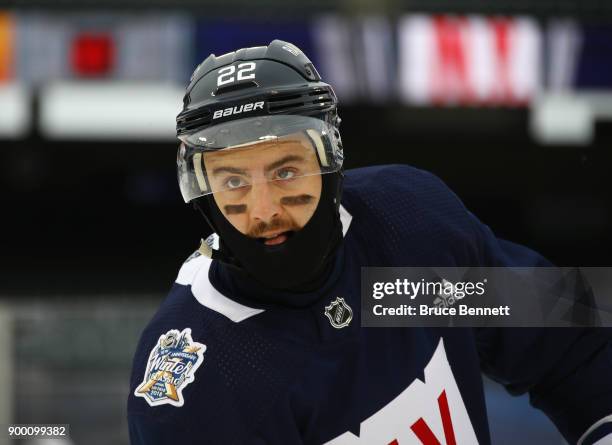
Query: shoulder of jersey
x,y
194,312
389,178
403,205
385,191
184,351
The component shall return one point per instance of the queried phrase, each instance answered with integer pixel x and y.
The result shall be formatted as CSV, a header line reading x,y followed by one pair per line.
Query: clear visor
x,y
236,155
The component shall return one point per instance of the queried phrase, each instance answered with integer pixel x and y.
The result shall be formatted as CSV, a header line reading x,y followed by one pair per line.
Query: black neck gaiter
x,y
241,287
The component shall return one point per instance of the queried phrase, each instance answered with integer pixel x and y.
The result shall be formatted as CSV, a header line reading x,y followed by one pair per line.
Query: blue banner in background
x,y
226,35
594,68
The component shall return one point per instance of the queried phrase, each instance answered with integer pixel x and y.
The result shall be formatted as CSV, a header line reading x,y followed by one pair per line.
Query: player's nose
x,y
264,207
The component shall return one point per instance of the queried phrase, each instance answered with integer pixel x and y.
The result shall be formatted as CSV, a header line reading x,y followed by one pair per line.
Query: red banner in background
x,y
92,55
469,60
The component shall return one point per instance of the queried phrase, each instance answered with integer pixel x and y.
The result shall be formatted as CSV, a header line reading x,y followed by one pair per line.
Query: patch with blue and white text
x,y
170,368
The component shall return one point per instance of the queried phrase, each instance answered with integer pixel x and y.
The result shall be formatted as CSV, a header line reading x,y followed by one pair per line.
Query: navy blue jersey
x,y
213,367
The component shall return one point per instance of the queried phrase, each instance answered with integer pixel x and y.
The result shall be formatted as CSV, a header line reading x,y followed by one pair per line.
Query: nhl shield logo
x,y
171,367
339,313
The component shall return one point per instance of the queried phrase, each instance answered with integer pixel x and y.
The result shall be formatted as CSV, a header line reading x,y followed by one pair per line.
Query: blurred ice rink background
x,y
510,103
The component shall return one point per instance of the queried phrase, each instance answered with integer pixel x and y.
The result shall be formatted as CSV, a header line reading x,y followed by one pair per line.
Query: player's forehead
x,y
295,148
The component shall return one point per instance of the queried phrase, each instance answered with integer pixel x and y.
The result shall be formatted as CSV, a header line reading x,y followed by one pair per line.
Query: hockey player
x,y
259,340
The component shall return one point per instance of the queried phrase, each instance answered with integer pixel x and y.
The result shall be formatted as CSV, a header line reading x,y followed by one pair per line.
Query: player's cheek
x,y
301,214
240,222
314,189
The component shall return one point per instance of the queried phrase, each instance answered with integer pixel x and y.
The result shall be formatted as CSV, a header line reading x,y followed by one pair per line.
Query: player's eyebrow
x,y
228,169
271,166
282,161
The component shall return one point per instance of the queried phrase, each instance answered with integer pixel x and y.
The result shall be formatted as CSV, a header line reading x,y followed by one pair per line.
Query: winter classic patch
x,y
171,367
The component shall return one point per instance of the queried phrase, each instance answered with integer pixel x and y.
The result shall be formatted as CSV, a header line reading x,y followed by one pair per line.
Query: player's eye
x,y
284,174
234,182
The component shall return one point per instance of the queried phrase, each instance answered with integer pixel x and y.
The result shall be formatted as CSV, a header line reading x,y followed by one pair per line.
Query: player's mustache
x,y
276,225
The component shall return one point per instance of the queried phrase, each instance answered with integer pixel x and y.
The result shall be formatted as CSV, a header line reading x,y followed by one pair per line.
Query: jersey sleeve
x,y
196,406
145,430
566,371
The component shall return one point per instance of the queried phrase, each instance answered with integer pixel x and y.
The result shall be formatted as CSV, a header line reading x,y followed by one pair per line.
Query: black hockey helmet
x,y
279,75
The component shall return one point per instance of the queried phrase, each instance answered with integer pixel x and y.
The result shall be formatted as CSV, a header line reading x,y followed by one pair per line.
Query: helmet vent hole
x,y
235,87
